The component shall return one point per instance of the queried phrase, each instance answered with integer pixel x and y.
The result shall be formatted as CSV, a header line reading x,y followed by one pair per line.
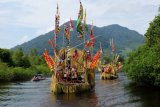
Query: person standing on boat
x,y
109,69
65,75
75,77
88,55
102,69
74,74
75,55
69,63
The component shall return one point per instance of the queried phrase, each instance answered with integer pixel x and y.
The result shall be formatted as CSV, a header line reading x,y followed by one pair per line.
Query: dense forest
x,y
143,64
17,66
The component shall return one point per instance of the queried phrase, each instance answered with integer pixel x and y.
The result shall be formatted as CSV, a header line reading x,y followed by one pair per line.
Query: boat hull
x,y
107,76
66,88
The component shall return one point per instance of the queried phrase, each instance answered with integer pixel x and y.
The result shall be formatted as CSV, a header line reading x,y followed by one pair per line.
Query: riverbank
x,y
143,64
12,74
18,66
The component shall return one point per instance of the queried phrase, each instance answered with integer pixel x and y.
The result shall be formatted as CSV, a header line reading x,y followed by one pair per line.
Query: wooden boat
x,y
109,71
38,77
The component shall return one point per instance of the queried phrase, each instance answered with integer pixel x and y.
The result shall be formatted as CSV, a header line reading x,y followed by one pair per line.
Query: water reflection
x,y
88,99
114,93
149,97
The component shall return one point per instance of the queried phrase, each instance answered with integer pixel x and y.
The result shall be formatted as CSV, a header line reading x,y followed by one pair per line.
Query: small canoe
x,y
38,77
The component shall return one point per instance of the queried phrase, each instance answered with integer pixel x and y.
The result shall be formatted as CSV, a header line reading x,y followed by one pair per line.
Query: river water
x,y
107,93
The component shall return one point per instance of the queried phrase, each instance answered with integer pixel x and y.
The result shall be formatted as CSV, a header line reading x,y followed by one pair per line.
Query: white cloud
x,y
43,31
39,14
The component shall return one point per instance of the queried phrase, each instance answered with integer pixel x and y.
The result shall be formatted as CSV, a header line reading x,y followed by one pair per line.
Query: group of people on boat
x,y
68,72
112,68
70,76
109,71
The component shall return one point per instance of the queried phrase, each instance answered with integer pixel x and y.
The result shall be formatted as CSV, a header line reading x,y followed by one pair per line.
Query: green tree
x,y
107,59
143,64
33,52
34,58
20,59
153,33
5,56
26,62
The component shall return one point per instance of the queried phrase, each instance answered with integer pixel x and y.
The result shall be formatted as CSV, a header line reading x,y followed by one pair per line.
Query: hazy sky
x,y
23,20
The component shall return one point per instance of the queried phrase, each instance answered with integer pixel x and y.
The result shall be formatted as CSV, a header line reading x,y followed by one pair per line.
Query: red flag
x,y
92,39
87,44
46,51
67,33
75,55
48,59
95,60
51,61
71,25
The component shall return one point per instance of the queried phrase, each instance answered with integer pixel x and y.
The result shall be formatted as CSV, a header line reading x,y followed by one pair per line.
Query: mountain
x,y
124,38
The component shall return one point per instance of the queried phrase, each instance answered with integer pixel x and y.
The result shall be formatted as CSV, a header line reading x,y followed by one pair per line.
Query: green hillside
x,y
125,39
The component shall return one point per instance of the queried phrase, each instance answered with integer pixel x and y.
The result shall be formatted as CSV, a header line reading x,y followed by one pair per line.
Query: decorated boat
x,y
73,69
109,71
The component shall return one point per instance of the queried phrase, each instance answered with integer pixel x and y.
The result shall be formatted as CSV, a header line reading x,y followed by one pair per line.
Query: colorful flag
x,y
85,25
80,14
71,25
79,27
48,59
92,39
95,60
87,44
67,33
57,21
51,61
78,22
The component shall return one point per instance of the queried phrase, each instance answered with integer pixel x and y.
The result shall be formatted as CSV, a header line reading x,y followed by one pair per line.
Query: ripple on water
x,y
107,93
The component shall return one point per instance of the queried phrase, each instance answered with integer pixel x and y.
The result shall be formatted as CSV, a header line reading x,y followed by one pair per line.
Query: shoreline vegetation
x,y
143,65
17,66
